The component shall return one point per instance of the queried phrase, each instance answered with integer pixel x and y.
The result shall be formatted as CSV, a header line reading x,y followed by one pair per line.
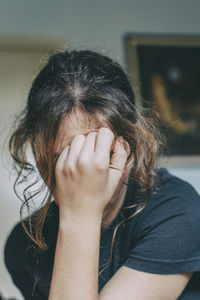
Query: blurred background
x,y
30,30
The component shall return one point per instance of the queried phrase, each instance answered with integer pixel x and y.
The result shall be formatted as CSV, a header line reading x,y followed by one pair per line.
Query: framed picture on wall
x,y
167,70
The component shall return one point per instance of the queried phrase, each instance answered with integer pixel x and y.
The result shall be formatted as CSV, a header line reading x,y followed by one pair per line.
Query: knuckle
x,y
58,169
82,163
79,138
99,165
69,170
106,130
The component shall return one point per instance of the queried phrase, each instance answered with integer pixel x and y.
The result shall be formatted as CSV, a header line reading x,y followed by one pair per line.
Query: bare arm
x,y
130,284
84,186
75,274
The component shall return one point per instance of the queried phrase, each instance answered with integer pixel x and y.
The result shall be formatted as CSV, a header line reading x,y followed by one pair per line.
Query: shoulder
x,y
171,193
16,243
170,196
19,245
164,177
166,233
171,213
28,266
16,251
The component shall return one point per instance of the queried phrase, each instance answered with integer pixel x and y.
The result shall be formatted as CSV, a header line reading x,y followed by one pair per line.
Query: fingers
x,y
87,151
104,142
80,151
96,145
74,152
61,159
70,153
118,161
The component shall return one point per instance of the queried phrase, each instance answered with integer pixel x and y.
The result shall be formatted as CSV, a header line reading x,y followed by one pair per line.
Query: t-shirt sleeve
x,y
15,261
167,232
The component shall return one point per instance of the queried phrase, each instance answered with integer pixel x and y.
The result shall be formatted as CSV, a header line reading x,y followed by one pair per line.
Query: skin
x,y
86,188
72,134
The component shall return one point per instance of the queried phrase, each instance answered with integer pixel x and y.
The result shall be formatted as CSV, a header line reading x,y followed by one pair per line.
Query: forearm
x,y
75,271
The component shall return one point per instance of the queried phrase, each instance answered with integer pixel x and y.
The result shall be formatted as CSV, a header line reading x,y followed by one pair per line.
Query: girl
x,y
112,225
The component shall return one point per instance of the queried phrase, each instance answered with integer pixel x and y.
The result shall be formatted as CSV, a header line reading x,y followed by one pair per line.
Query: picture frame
x,y
164,71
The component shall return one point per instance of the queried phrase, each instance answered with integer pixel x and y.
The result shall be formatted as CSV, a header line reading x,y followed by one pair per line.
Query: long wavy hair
x,y
97,86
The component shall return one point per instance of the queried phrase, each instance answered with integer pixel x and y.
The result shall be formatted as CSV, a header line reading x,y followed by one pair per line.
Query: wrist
x,y
68,219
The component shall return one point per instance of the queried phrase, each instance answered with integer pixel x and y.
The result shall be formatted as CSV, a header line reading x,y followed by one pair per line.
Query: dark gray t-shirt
x,y
164,238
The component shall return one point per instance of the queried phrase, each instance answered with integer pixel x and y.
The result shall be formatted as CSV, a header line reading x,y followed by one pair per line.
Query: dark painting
x,y
169,77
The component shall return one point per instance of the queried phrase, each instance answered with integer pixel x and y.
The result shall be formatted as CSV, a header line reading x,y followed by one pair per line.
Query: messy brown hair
x,y
96,85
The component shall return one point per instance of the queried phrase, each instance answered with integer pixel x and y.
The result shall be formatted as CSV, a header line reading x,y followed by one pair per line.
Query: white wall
x,y
99,24
89,23
190,174
16,74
